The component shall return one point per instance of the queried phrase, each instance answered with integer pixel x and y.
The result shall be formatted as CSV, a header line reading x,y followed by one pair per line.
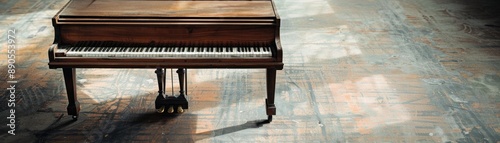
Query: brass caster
x,y
170,109
161,109
179,109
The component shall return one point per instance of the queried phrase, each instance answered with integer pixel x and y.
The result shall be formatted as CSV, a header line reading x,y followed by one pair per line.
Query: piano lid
x,y
167,9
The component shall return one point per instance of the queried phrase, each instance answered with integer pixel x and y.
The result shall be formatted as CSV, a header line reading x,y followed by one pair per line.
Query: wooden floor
x,y
355,71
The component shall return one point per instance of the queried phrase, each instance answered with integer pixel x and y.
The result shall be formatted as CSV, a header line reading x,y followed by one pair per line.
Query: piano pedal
x,y
172,104
161,109
179,109
170,110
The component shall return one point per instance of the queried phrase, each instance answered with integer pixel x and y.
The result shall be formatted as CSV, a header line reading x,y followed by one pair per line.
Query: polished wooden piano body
x,y
85,30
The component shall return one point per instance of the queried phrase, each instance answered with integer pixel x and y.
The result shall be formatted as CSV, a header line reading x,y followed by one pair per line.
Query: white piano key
x,y
187,52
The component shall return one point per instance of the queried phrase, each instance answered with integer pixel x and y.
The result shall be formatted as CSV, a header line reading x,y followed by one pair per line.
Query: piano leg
x,y
271,83
182,80
69,80
180,72
160,76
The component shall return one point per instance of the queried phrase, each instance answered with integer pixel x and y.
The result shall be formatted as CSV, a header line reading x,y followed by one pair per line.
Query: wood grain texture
x,y
110,8
167,33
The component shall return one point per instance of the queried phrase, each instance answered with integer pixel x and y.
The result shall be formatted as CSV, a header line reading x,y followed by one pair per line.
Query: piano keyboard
x,y
201,52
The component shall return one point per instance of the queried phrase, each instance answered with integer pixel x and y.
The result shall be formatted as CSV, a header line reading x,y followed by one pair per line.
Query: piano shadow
x,y
170,127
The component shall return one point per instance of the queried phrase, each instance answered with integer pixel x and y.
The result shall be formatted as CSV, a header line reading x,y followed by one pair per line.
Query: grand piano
x,y
165,35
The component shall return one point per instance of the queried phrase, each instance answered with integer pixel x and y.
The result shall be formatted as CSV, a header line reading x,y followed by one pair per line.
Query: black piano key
x,y
139,49
142,49
117,47
102,46
80,46
94,47
105,47
109,46
97,46
113,47
91,47
130,48
85,47
77,46
123,48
